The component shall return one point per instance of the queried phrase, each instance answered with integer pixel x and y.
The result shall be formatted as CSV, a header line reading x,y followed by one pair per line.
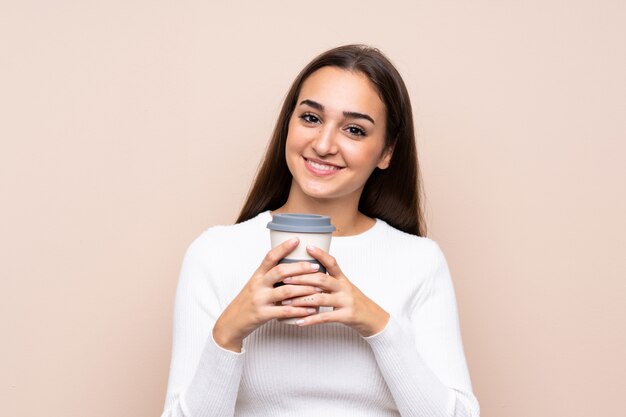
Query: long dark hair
x,y
392,194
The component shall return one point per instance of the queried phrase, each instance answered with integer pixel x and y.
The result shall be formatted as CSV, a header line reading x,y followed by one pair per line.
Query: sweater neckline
x,y
267,217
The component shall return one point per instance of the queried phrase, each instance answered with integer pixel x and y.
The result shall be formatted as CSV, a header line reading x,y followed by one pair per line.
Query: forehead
x,y
341,90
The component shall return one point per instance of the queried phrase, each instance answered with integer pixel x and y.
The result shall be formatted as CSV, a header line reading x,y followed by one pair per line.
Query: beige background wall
x,y
128,127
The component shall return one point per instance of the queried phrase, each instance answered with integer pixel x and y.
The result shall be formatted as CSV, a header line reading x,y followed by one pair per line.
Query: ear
x,y
385,159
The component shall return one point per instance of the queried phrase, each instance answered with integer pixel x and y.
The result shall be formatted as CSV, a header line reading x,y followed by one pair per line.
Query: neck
x,y
344,213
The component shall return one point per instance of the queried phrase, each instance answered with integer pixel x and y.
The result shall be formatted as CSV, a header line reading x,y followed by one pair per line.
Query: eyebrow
x,y
350,114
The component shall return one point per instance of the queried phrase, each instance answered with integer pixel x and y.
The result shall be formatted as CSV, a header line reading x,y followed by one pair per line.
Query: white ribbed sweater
x,y
414,367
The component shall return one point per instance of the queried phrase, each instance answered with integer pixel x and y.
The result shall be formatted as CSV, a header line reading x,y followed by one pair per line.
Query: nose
x,y
325,142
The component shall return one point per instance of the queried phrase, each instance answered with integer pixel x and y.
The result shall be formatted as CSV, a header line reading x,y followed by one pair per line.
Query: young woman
x,y
386,341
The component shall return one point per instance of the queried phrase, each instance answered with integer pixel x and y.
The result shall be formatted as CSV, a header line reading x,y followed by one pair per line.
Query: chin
x,y
319,195
325,193
316,193
320,190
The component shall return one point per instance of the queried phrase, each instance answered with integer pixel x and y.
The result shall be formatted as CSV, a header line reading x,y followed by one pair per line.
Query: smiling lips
x,y
321,169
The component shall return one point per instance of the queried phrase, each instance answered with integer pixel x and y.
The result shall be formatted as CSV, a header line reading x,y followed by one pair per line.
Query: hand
x,y
259,302
350,306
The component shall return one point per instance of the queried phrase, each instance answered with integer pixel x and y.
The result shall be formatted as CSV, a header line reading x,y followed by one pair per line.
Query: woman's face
x,y
336,135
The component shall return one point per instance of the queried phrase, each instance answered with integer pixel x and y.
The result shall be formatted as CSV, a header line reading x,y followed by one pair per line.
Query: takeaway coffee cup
x,y
311,229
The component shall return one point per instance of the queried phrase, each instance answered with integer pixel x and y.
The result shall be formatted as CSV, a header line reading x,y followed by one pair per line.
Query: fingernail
x,y
318,289
288,279
311,310
285,302
293,240
310,247
315,267
300,322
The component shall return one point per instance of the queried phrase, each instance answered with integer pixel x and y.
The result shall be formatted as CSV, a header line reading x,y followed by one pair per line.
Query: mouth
x,y
320,168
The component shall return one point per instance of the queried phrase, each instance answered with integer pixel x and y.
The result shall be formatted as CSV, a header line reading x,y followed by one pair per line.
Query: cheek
x,y
292,147
362,156
292,134
298,138
293,150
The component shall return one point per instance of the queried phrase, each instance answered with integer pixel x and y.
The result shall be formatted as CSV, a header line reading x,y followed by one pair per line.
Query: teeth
x,y
322,167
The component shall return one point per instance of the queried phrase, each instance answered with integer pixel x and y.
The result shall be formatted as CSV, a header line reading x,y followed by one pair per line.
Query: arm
x,y
204,378
425,366
207,350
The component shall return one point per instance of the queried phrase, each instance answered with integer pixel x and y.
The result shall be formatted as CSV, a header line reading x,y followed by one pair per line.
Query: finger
x,y
276,254
313,300
320,280
282,271
292,291
325,317
326,259
285,312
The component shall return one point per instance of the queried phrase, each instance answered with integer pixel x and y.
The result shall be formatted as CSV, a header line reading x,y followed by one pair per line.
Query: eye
x,y
355,130
309,118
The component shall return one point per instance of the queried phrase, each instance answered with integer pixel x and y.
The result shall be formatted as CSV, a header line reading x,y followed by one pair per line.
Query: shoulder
x,y
249,228
397,239
223,238
418,253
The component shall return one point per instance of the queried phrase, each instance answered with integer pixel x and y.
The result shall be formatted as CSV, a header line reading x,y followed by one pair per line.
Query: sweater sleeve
x,y
204,378
424,366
